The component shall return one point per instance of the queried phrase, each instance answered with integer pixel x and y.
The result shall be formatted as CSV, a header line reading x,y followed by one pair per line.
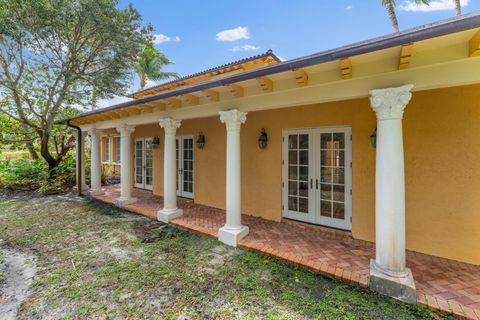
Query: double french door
x,y
317,176
144,163
184,147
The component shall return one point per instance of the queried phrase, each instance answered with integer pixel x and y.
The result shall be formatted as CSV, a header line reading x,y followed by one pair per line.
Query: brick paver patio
x,y
442,284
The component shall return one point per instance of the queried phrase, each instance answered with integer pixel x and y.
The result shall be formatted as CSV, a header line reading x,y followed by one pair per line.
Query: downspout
x,y
79,157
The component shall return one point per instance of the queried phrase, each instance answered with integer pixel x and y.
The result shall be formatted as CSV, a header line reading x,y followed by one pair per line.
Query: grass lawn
x,y
97,261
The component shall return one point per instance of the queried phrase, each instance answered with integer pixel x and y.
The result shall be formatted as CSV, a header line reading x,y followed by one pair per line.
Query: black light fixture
x,y
200,141
373,138
155,142
263,139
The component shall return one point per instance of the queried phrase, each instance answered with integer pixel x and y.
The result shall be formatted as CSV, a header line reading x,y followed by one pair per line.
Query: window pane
x,y
326,208
338,193
292,203
303,205
326,157
304,157
326,141
339,160
303,173
303,141
292,188
292,156
292,173
339,139
338,210
339,175
326,191
326,174
293,142
303,189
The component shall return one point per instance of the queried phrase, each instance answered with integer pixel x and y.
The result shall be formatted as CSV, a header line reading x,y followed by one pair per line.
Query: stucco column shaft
x,y
95,162
125,165
170,210
80,169
389,274
233,231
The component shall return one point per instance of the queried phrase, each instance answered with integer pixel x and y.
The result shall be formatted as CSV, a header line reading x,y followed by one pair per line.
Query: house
x,y
379,139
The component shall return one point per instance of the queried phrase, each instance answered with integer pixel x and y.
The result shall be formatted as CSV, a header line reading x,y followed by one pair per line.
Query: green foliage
x,y
34,175
58,57
150,64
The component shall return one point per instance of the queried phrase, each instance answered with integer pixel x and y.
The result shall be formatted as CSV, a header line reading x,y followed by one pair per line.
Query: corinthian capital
x,y
233,119
125,130
390,103
170,125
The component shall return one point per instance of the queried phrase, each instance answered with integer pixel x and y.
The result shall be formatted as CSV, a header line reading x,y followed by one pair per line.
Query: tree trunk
x,y
458,7
143,82
393,17
31,149
52,162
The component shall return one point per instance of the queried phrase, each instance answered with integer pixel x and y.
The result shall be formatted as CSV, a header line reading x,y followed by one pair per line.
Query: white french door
x,y
184,147
144,163
317,176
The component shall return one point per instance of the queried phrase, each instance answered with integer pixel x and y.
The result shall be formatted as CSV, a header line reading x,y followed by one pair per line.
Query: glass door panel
x,y
148,164
139,182
297,176
143,163
185,165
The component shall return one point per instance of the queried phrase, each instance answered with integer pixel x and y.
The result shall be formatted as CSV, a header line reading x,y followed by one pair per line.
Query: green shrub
x,y
34,175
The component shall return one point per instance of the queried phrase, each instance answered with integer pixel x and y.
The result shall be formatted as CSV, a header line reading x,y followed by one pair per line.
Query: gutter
x,y
437,29
79,156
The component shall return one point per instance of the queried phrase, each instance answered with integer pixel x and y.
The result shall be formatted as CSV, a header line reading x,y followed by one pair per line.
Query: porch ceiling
x,y
433,56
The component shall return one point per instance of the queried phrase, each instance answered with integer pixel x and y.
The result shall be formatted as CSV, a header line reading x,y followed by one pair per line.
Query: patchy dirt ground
x,y
94,261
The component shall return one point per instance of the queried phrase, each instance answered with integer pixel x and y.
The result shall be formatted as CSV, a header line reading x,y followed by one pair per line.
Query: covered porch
x,y
442,284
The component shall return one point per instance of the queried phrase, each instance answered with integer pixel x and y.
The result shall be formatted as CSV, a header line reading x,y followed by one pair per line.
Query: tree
x,y
458,7
59,56
390,6
150,63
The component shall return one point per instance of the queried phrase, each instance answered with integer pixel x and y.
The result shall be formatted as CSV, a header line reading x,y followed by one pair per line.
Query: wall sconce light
x,y
373,138
263,139
155,142
200,141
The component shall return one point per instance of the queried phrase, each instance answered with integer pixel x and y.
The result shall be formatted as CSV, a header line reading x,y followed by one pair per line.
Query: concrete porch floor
x,y
442,284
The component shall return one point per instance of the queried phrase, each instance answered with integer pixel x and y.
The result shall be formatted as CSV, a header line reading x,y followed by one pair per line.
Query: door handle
x,y
311,183
316,183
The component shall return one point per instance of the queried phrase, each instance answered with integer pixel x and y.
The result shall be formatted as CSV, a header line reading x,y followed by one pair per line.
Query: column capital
x,y
170,125
125,130
95,133
233,119
389,103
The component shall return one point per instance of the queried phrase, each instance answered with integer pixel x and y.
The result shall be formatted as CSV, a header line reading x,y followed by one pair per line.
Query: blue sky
x,y
188,30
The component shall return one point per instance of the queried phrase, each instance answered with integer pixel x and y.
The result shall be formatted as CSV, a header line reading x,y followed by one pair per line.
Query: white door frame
x,y
314,176
180,167
143,184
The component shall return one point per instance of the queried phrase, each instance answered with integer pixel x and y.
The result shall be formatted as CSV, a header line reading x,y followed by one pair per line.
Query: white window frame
x,y
107,149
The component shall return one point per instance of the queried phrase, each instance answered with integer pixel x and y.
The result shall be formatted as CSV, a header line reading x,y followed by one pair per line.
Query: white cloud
x,y
161,38
435,5
233,34
246,47
103,103
349,7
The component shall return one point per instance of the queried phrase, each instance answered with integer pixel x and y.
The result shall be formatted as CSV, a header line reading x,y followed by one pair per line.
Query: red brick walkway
x,y
443,284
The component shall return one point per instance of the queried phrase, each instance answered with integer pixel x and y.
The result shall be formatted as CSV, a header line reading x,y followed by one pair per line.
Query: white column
x,y
170,210
233,231
80,170
95,162
388,273
125,165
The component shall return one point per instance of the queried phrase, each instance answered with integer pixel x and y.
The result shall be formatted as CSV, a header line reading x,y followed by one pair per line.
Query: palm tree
x,y
458,7
150,63
390,6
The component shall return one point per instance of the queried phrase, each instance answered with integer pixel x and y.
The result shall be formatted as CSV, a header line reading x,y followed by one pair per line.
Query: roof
x,y
433,30
262,59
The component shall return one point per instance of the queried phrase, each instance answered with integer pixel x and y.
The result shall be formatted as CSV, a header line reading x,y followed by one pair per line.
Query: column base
x,y
167,215
399,287
121,202
232,236
85,189
94,192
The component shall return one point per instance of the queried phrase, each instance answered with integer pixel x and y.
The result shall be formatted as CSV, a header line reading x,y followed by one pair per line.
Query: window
x,y
107,149
117,149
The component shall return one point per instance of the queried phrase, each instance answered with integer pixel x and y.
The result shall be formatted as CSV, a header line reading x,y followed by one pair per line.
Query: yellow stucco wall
x,y
442,165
